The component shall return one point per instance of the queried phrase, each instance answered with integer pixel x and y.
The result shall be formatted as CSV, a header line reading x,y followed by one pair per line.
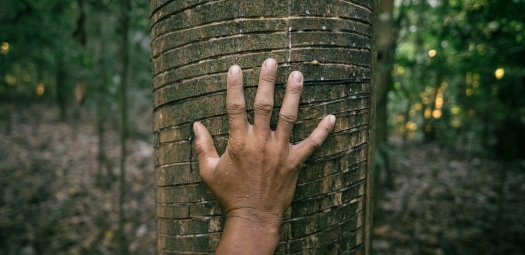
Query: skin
x,y
255,179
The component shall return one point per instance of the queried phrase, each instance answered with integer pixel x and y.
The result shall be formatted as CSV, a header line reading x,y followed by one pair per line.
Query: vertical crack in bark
x,y
289,34
192,138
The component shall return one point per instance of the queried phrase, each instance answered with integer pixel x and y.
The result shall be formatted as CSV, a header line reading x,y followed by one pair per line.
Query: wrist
x,y
256,217
256,222
250,231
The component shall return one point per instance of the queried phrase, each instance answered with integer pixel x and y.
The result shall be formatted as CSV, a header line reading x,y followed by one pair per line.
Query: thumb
x,y
204,147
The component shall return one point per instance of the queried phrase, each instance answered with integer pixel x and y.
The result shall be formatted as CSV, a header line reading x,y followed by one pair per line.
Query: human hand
x,y
255,179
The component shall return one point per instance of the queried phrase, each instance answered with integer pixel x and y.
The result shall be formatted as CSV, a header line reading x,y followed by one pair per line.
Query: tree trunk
x,y
193,45
386,46
103,162
388,28
62,89
5,103
123,108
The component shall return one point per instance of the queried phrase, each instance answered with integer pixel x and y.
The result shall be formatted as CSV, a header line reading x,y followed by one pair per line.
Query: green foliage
x,y
39,40
460,73
33,34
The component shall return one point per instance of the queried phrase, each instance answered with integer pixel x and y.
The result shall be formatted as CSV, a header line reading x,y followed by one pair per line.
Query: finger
x,y
263,103
204,148
235,105
290,107
306,148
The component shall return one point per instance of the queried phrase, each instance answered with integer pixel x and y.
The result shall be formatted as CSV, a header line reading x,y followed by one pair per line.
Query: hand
x,y
254,180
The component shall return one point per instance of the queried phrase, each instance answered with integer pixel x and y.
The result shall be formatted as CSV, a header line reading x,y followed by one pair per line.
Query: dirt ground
x,y
52,200
446,201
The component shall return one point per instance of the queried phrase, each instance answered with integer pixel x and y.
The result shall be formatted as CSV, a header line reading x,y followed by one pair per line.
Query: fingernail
x,y
270,63
332,119
235,69
297,76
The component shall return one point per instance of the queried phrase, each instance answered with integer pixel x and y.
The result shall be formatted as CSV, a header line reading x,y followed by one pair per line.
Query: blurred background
x,y
450,127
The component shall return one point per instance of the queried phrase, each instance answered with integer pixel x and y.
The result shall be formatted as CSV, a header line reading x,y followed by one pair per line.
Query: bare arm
x,y
254,180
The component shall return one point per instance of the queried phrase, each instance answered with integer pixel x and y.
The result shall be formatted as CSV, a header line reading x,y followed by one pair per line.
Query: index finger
x,y
235,105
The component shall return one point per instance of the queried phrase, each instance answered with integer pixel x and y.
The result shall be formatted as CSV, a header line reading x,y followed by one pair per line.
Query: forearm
x,y
249,233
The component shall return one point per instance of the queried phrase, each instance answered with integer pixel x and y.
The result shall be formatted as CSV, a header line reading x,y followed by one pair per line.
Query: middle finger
x,y
263,104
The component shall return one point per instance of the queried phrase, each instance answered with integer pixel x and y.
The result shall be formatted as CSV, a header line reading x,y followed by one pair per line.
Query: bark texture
x,y
194,42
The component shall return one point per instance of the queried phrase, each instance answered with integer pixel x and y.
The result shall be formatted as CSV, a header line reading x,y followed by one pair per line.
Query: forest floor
x,y
54,199
446,201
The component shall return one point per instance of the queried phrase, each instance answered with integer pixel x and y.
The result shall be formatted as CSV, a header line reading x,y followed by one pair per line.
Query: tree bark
x,y
193,45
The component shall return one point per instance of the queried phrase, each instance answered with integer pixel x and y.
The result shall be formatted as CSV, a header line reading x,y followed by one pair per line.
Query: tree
x,y
36,39
123,98
460,77
193,45
451,56
388,28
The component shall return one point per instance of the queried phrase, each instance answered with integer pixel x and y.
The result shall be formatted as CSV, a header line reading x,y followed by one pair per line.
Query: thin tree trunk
x,y
193,45
431,134
102,111
386,45
125,22
388,28
80,86
62,90
5,105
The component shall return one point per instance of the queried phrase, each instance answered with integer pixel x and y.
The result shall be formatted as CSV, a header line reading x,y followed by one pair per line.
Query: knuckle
x,y
199,148
235,108
316,144
295,165
236,147
288,117
263,106
268,78
326,129
295,89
